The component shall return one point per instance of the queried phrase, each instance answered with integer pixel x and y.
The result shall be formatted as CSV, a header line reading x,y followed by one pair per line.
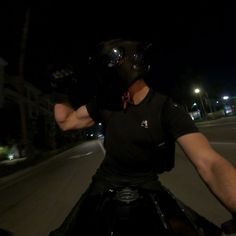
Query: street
x,y
40,200
36,202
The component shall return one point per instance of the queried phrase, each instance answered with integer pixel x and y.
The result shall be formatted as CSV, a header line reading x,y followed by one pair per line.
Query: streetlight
x,y
198,92
225,97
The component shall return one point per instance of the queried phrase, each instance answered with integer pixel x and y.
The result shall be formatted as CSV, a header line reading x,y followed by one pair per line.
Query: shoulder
x,y
97,112
158,97
176,118
168,102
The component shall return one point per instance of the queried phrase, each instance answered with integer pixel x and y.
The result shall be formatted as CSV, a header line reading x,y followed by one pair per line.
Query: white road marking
x,y
102,147
81,155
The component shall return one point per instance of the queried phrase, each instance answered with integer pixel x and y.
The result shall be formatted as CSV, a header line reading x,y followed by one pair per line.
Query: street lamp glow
x,y
197,90
194,104
225,97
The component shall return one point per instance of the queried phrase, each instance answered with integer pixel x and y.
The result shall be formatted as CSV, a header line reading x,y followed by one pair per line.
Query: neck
x,y
137,91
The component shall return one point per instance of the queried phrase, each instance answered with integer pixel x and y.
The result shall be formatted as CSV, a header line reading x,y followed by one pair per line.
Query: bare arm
x,y
68,119
217,172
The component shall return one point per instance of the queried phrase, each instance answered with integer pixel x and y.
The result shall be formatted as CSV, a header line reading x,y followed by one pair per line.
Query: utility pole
x,y
203,106
24,37
198,92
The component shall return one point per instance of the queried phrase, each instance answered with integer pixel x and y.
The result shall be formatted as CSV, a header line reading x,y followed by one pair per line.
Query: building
x,y
38,112
41,129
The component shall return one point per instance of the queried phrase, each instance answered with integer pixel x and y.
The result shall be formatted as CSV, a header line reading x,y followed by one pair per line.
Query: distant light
x,y
228,109
217,102
225,97
100,124
91,135
194,104
197,90
11,156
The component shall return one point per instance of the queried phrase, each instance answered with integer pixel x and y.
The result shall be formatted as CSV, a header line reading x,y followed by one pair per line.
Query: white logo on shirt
x,y
144,124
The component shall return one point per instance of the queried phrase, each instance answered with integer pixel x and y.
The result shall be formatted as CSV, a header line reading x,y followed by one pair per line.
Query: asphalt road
x,y
34,202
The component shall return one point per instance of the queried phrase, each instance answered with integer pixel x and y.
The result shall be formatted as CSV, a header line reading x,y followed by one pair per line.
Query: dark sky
x,y
193,43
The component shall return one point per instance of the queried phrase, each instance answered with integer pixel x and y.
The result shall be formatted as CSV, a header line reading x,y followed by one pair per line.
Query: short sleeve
x,y
177,121
93,110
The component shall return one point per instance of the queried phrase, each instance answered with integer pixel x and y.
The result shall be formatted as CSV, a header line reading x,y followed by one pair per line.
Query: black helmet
x,y
120,63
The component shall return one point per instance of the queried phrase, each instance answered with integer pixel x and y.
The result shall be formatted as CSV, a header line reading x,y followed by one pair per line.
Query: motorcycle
x,y
132,211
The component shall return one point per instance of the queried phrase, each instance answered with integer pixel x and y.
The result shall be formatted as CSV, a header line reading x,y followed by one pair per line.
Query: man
x,y
141,126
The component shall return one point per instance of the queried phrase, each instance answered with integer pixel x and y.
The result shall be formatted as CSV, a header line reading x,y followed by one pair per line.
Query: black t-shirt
x,y
130,134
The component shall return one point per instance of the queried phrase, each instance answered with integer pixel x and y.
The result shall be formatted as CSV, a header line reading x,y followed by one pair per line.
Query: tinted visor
x,y
116,55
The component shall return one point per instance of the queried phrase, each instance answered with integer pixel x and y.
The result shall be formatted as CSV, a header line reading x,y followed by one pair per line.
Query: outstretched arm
x,y
216,171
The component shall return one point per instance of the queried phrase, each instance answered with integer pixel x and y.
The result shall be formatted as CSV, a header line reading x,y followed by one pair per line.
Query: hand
x,y
63,83
63,79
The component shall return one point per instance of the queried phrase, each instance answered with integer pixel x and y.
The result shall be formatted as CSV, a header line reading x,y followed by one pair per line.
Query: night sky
x,y
193,43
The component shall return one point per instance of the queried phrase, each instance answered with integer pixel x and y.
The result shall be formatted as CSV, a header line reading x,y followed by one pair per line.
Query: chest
x,y
139,127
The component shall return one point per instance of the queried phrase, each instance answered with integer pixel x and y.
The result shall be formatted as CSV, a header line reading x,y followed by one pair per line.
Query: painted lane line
x,y
81,155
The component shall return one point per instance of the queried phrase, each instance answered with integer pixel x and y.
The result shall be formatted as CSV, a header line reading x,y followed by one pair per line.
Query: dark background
x,y
193,43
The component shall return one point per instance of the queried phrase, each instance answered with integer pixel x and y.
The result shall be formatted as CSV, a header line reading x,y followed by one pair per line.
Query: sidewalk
x,y
224,119
12,167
